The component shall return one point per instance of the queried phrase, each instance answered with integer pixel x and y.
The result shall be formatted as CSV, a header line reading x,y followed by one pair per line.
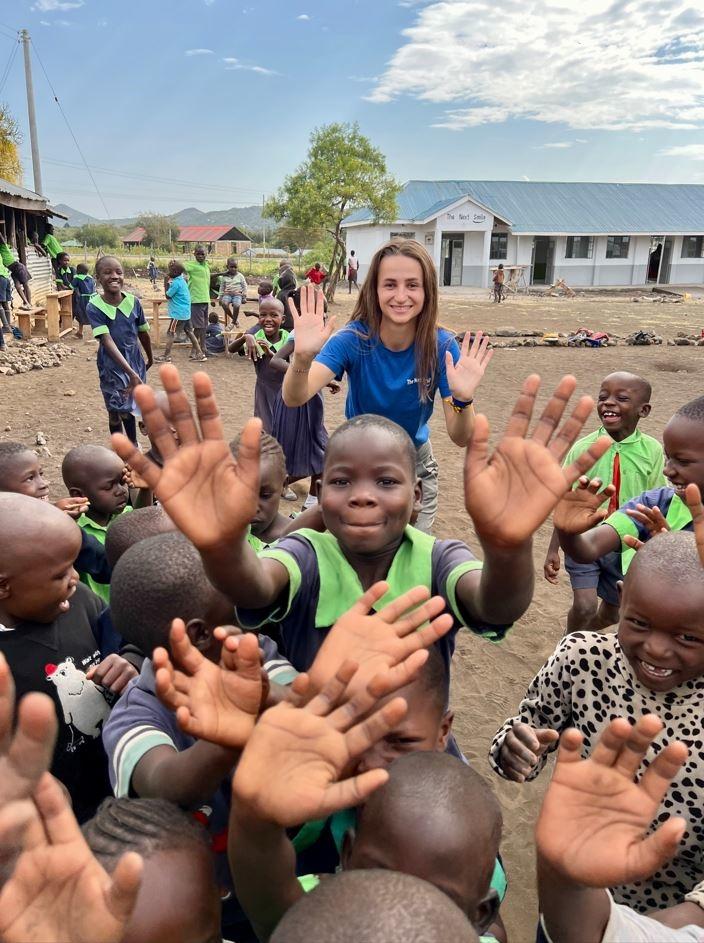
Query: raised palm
x,y
219,703
377,641
310,326
210,496
595,816
290,770
511,493
582,507
58,891
465,376
25,752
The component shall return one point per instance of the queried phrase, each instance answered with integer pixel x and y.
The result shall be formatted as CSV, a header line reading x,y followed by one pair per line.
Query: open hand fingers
x,y
32,746
7,703
183,652
155,421
477,452
332,692
395,610
612,741
181,414
659,775
366,602
369,731
655,850
128,452
523,410
632,542
552,413
353,792
587,459
125,881
246,659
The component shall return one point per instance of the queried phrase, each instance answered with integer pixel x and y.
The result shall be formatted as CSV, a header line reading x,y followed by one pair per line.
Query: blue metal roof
x,y
580,208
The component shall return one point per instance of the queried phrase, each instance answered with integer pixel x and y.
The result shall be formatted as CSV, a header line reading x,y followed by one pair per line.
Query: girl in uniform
x,y
118,323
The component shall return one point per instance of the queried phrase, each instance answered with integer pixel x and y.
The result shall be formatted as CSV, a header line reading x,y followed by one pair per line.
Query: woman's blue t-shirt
x,y
384,381
179,299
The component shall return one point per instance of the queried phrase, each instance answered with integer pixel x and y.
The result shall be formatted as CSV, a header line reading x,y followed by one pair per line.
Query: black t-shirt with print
x,y
54,658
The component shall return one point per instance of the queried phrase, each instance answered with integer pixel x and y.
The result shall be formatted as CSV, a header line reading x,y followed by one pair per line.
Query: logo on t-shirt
x,y
411,381
82,702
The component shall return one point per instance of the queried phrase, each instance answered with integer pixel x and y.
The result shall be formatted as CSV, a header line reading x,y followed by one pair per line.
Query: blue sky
x,y
225,94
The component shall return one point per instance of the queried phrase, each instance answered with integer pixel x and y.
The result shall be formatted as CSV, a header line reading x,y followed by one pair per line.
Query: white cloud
x,y
609,64
303,16
199,52
234,64
557,144
208,3
44,23
692,151
581,141
47,6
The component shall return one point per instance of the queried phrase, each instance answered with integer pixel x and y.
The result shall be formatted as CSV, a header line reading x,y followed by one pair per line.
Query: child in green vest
x,y
633,465
369,493
644,515
98,475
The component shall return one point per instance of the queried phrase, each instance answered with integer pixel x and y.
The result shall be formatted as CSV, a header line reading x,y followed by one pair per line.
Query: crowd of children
x,y
218,722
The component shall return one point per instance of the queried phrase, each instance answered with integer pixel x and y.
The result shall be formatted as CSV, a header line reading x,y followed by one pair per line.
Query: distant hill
x,y
248,218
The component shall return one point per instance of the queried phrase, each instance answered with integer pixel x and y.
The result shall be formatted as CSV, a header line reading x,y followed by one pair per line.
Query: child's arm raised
x,y
593,828
306,377
576,518
511,493
210,496
291,772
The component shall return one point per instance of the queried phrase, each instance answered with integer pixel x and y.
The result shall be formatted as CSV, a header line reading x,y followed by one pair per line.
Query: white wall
x,y
685,271
365,240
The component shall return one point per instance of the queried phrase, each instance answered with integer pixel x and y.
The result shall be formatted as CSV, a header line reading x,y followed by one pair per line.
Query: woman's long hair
x,y
367,309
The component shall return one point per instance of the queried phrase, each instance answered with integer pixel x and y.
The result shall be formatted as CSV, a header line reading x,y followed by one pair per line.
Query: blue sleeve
x,y
445,343
172,289
338,353
92,560
658,497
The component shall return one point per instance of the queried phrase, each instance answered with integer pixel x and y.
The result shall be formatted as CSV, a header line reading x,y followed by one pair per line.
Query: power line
x,y
8,67
75,139
8,31
149,177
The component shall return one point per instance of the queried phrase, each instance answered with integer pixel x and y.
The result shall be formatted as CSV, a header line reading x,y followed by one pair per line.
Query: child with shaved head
x,y
654,664
374,907
50,637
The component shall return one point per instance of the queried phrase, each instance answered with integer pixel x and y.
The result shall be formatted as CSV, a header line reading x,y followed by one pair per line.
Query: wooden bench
x,y
155,319
59,313
31,320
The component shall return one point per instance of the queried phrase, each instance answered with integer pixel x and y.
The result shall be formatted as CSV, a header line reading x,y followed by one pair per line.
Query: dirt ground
x,y
488,680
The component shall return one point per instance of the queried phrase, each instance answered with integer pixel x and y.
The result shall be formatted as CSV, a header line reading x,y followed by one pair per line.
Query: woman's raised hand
x,y
311,329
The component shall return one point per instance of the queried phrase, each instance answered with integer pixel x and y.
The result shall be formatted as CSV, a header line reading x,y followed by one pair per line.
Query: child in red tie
x,y
633,464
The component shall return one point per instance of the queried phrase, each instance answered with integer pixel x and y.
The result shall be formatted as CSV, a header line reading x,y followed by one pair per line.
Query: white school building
x,y
589,234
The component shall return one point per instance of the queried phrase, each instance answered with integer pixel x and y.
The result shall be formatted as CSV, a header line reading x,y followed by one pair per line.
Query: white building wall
x,y
598,270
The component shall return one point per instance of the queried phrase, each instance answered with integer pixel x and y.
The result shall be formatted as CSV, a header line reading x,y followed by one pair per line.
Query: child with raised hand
x,y
83,286
396,356
646,514
654,664
595,831
297,768
53,640
51,887
176,289
632,465
97,475
261,345
369,494
118,321
156,581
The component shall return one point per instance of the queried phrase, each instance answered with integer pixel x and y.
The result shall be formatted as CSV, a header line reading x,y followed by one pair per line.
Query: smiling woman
x,y
395,355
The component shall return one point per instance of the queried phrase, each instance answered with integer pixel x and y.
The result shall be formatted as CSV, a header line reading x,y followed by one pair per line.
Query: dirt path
x,y
488,680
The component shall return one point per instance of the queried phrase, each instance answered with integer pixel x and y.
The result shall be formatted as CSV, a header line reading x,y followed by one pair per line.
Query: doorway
x,y
451,256
542,264
660,260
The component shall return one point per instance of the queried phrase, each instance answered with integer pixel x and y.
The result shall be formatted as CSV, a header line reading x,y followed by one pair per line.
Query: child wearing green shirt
x,y
633,464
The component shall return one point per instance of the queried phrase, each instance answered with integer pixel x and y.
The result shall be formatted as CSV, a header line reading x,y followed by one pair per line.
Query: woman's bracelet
x,y
458,405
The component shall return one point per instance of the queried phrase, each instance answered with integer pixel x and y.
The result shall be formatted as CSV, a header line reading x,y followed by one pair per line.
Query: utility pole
x,y
263,226
33,139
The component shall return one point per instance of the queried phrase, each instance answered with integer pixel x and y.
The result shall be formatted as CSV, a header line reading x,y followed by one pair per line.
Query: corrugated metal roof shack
x,y
25,212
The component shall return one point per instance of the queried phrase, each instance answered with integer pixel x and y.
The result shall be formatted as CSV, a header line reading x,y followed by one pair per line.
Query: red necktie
x,y
614,503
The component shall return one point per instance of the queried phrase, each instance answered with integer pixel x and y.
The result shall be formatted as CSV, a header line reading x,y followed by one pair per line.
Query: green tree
x,y
160,231
98,235
10,140
343,172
